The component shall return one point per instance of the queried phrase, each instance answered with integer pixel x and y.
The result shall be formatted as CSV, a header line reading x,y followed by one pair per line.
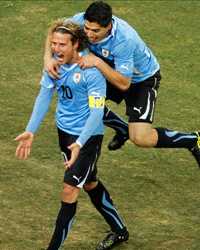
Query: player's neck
x,y
75,58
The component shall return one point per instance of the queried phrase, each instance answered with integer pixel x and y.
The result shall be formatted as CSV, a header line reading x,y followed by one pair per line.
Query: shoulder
x,y
93,77
122,31
93,72
79,18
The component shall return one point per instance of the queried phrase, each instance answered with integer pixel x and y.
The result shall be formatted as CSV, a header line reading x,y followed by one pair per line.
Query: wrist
x,y
97,62
30,133
78,142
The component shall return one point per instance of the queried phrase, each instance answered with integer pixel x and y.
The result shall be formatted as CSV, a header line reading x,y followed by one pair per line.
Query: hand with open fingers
x,y
52,67
75,150
24,147
88,61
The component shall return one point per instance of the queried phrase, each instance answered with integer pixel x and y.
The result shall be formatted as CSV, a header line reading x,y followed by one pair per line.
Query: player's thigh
x,y
140,104
141,100
84,170
113,93
65,140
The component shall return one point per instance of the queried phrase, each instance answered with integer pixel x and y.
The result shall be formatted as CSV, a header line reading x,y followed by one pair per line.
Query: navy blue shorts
x,y
141,99
84,170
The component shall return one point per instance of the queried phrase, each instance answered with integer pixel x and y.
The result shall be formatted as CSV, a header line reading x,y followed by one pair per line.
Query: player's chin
x,y
93,40
61,61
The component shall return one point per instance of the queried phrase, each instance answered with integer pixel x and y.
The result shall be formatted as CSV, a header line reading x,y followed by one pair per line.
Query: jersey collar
x,y
69,67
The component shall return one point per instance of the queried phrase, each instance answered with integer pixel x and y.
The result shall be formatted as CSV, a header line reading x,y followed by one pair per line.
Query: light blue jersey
x,y
125,50
80,105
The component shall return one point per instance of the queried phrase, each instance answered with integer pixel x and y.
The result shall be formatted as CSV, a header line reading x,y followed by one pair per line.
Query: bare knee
x,y
138,140
89,186
142,134
69,193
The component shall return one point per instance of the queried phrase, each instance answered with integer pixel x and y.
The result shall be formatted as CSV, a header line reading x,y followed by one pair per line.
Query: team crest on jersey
x,y
105,52
77,77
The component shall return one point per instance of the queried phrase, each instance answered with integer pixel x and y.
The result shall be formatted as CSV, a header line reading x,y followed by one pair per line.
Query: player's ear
x,y
76,45
109,26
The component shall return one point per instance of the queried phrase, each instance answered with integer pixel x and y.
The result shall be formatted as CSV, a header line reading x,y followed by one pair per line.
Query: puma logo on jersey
x,y
76,178
124,67
137,109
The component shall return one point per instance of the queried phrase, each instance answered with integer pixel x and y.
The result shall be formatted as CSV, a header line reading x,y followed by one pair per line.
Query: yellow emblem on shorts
x,y
96,101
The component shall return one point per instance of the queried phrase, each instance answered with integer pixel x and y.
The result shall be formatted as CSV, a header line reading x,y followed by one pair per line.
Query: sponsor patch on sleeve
x,y
96,101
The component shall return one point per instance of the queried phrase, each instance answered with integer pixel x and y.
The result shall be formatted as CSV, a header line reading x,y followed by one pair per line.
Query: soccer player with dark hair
x,y
80,107
133,74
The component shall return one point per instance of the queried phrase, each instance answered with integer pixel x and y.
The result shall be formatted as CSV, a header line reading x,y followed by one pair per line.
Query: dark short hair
x,y
99,12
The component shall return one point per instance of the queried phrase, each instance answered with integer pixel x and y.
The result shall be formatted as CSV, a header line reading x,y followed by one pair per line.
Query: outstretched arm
x,y
40,109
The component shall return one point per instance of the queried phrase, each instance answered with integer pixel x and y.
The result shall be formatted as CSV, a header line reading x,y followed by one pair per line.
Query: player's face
x,y
96,32
62,46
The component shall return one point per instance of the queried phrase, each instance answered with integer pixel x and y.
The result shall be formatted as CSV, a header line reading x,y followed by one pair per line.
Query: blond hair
x,y
66,26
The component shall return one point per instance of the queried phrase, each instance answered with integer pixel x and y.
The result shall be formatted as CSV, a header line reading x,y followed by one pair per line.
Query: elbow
x,y
123,83
97,114
125,86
